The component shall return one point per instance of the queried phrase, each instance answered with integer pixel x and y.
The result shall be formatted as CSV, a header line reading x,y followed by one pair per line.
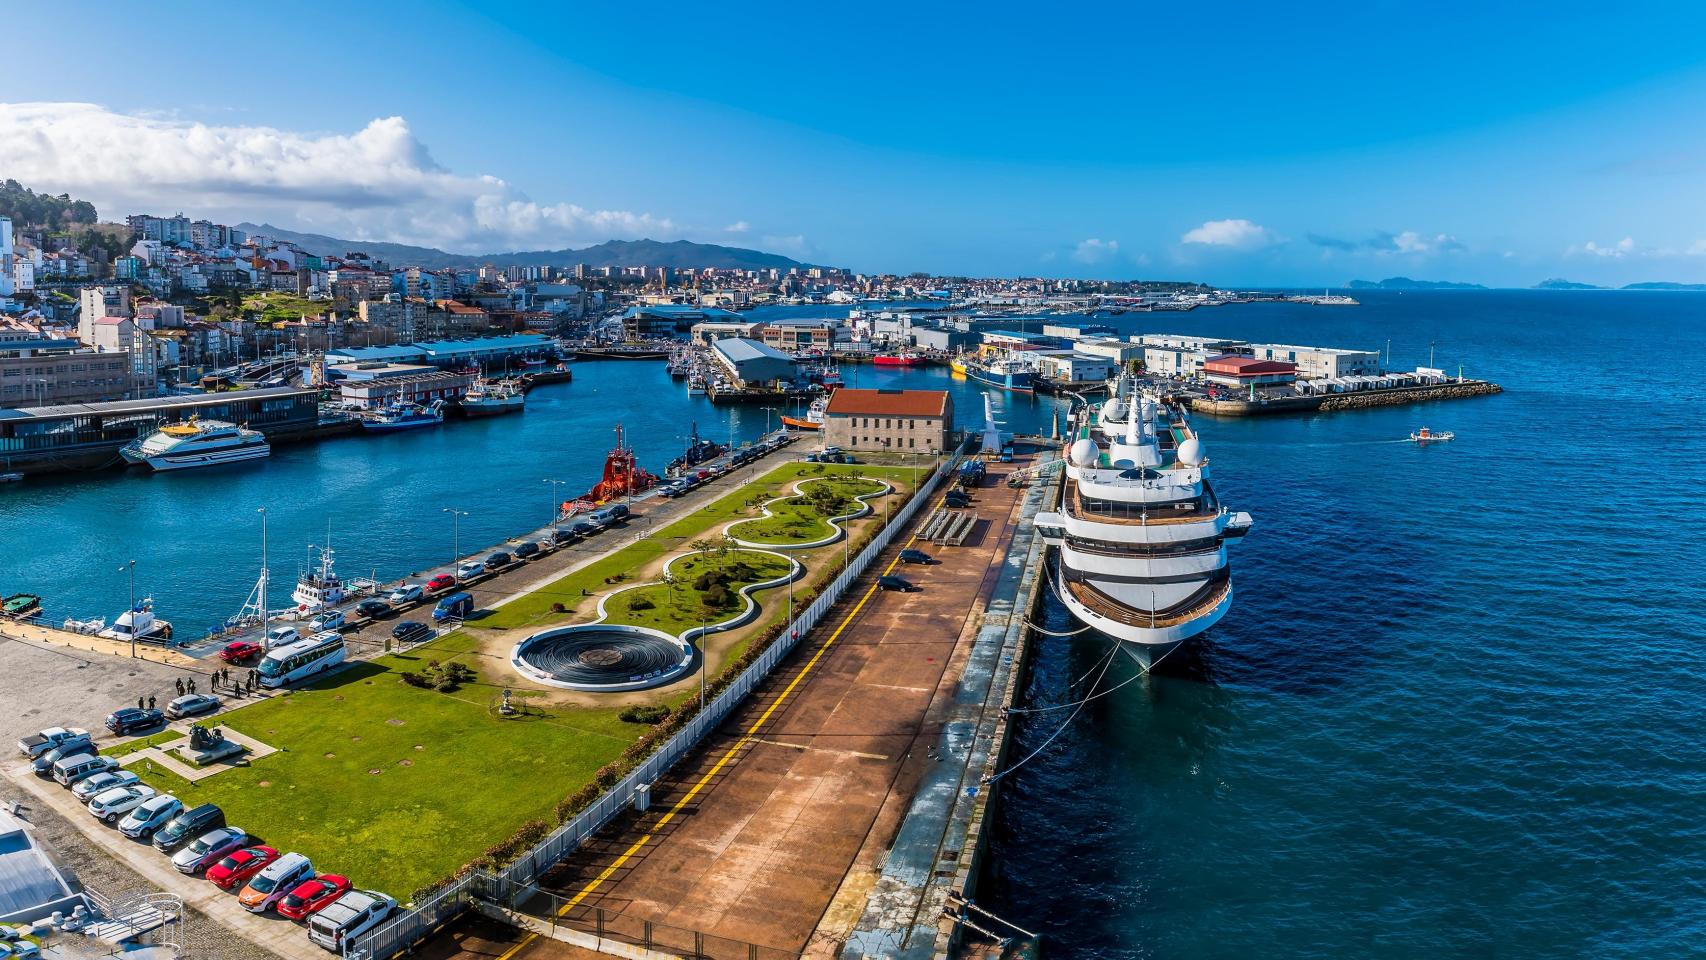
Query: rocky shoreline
x,y
1360,400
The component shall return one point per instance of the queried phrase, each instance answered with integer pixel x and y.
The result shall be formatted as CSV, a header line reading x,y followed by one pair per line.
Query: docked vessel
x,y
903,359
698,451
813,420
488,398
404,416
140,624
1141,536
317,586
20,605
1005,372
197,443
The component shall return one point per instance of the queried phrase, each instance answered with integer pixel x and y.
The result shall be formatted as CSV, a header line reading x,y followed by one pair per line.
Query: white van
x,y
72,769
352,914
275,881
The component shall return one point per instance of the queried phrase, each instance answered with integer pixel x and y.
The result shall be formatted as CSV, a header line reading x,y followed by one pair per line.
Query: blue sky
x,y
1235,143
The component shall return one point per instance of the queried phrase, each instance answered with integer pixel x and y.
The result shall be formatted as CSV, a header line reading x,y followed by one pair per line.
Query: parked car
x,y
525,550
85,789
111,804
955,498
282,634
901,584
330,620
208,849
584,528
41,742
454,606
186,825
832,451
469,568
235,868
443,581
69,770
407,593
498,558
916,556
243,651
374,608
312,896
352,914
127,720
149,816
269,886
410,631
192,705
81,746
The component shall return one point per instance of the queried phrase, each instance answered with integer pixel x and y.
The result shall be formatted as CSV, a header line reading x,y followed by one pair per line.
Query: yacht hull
x,y
205,458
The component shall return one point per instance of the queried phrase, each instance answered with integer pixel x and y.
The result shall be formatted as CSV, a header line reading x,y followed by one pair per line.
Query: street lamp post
x,y
132,567
455,534
264,575
556,508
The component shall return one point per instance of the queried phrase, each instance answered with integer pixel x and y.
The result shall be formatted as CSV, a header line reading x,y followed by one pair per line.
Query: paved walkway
x,y
269,931
751,838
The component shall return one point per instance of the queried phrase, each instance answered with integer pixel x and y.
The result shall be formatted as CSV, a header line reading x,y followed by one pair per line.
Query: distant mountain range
x,y
675,254
1405,283
1557,284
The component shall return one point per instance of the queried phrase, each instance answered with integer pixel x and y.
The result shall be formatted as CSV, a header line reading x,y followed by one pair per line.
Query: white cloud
x,y
379,183
1095,251
1237,234
1412,242
793,244
739,226
1616,251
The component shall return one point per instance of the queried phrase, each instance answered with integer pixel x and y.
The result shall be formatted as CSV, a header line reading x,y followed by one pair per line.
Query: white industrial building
x,y
751,362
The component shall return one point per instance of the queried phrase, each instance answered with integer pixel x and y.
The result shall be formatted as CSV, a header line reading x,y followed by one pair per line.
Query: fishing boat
x,y
903,359
813,420
1004,372
196,443
317,586
140,624
20,605
405,416
698,451
487,398
1425,435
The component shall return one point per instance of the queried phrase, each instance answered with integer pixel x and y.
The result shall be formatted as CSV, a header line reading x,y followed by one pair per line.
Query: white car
x,y
84,790
407,593
279,636
115,803
469,568
208,849
352,914
330,620
149,816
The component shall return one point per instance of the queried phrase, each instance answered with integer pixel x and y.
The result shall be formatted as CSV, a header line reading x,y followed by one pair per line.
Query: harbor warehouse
x,y
751,362
909,420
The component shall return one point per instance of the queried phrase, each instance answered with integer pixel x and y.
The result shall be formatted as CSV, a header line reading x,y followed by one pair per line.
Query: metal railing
x,y
391,938
557,915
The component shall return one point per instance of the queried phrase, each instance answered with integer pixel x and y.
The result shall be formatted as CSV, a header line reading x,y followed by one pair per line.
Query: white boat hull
x,y
208,458
1147,645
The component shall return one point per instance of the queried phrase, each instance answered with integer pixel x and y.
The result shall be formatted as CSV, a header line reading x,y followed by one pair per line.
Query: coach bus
x,y
301,659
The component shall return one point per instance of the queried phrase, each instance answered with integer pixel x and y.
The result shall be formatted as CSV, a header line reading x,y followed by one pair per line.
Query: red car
x,y
312,896
443,581
239,651
236,869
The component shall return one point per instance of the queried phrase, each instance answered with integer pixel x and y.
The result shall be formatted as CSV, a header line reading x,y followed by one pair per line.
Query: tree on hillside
x,y
30,210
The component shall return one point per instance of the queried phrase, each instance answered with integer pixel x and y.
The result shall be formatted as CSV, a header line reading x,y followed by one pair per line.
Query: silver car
x,y
117,802
84,790
149,816
208,849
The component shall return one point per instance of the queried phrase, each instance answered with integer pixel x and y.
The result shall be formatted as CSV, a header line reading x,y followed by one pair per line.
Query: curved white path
x,y
865,509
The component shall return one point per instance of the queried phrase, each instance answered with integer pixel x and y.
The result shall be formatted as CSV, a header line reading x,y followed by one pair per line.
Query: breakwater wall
x,y
1358,400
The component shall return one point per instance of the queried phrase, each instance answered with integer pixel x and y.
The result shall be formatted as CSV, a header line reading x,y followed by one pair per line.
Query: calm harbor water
x,y
196,535
1454,711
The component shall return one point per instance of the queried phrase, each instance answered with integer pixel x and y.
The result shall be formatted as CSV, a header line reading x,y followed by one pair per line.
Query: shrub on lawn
x,y
445,678
639,603
644,713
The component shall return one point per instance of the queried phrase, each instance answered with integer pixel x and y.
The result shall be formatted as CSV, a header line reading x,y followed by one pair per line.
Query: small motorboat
x,y
1425,435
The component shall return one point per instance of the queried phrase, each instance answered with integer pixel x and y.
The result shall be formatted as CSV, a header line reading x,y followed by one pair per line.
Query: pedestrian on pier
x,y
139,703
251,683
179,683
151,701
192,684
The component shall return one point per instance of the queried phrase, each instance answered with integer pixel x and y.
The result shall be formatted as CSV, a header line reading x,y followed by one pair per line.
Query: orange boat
x,y
623,477
813,420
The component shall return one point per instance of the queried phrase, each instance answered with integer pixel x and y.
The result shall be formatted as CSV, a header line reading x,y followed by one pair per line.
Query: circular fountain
x,y
602,657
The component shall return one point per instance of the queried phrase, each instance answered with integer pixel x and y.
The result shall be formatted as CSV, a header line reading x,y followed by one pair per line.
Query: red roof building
x,y
1230,371
913,421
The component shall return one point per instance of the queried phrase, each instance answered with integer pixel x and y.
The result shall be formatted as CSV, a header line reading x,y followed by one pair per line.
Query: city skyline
x,y
1245,148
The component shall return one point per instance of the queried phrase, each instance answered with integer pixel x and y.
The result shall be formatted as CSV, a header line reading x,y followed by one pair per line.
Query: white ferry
x,y
197,443
1141,534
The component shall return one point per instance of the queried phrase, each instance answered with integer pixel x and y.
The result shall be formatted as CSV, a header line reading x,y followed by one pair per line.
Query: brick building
x,y
911,421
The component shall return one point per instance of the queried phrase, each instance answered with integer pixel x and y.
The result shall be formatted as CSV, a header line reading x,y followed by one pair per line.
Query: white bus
x,y
303,658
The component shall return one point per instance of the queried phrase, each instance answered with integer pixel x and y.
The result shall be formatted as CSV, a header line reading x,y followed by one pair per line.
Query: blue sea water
x,y
1455,710
196,535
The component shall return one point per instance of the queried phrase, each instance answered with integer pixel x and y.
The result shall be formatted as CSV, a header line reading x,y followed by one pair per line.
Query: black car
x,y
582,528
525,550
916,556
128,720
188,825
892,582
409,631
562,536
375,608
498,558
954,498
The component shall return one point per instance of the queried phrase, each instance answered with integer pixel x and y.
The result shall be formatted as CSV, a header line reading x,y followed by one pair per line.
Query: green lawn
x,y
275,306
395,786
578,591
678,608
802,518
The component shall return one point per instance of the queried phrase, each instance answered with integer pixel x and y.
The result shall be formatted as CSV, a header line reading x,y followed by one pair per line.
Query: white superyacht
x,y
1141,535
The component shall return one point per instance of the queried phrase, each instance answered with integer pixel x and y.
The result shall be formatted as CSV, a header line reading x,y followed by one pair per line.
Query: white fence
x,y
391,938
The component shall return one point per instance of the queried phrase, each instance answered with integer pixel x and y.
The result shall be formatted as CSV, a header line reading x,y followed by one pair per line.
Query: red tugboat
x,y
905,359
622,477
